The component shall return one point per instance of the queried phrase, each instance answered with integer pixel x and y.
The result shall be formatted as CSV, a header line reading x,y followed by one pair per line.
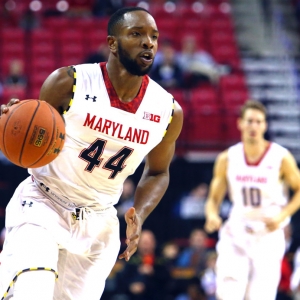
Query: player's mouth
x,y
147,57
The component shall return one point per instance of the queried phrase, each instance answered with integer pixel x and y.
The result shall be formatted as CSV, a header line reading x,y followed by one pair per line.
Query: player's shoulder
x,y
220,165
163,97
222,156
278,148
156,89
237,146
88,68
235,149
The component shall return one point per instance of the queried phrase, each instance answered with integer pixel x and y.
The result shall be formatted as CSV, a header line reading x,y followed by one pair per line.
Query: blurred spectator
x,y
145,276
79,8
197,64
167,71
16,76
295,278
29,20
192,205
194,256
194,292
170,252
208,278
15,82
284,291
127,197
100,55
104,8
111,290
9,17
125,202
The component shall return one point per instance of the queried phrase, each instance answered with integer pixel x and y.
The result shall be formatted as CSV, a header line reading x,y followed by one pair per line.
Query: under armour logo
x,y
87,97
25,203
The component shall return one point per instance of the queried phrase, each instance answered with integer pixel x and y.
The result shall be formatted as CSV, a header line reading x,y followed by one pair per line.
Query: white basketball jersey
x,y
256,190
106,139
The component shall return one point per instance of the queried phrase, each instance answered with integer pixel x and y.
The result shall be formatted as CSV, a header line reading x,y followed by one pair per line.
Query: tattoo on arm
x,y
70,72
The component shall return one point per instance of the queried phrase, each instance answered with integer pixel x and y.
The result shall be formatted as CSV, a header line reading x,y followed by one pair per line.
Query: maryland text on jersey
x,y
115,129
251,178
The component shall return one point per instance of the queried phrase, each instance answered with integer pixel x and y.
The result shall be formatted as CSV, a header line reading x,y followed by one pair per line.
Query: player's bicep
x,y
159,158
57,89
175,126
290,172
218,185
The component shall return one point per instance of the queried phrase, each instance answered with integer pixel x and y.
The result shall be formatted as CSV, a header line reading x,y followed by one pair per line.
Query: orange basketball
x,y
32,133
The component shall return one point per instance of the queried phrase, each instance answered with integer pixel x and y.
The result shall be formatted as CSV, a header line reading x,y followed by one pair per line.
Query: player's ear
x,y
112,43
267,125
239,124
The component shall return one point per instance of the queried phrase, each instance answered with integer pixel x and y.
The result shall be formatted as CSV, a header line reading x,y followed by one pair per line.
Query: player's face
x,y
137,42
253,125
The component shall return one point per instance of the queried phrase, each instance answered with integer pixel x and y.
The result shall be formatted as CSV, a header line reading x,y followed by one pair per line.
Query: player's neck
x,y
126,85
254,151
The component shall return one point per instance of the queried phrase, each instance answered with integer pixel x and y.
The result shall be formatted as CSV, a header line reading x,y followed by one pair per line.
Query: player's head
x,y
132,38
252,122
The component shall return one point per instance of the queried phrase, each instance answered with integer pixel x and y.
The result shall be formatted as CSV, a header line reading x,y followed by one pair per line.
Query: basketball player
x,y
62,230
251,243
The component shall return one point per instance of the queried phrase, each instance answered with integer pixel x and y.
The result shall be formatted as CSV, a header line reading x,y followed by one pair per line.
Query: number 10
x,y
251,196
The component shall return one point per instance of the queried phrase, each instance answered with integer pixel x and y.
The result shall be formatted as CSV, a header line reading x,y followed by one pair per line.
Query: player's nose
x,y
147,42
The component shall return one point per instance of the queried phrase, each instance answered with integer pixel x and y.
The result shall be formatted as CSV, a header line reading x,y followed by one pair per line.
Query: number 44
x,y
115,164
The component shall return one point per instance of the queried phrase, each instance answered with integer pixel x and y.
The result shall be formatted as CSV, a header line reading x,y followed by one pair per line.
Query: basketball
x,y
32,133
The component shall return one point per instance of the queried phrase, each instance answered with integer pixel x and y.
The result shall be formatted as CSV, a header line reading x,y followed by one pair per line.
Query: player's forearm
x,y
149,192
292,206
212,207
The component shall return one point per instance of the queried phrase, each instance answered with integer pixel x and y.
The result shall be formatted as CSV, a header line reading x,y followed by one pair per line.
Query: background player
x,y
62,218
251,242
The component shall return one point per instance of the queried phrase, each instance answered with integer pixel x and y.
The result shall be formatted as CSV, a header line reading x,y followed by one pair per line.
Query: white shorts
x,y
43,235
249,265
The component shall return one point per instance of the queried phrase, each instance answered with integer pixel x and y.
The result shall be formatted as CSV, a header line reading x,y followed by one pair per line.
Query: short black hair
x,y
117,17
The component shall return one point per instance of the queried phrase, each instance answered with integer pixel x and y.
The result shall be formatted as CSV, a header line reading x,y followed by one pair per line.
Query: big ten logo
x,y
40,137
151,117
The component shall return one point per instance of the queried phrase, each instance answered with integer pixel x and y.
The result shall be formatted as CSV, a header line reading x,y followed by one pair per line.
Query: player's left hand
x,y
133,233
273,223
5,107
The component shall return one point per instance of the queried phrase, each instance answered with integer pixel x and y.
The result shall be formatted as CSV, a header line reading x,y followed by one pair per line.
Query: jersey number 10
x,y
251,196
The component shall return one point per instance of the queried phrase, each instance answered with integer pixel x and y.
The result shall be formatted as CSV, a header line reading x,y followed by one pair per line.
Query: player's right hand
x,y
5,107
213,223
133,233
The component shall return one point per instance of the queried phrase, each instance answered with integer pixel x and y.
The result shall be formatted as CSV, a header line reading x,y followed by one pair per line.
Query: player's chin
x,y
145,70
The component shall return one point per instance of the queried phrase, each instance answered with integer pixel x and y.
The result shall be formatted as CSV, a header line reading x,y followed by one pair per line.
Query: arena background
x,y
256,42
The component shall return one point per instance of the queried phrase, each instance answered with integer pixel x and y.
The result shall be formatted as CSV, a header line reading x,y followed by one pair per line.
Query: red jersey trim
x,y
131,106
260,159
